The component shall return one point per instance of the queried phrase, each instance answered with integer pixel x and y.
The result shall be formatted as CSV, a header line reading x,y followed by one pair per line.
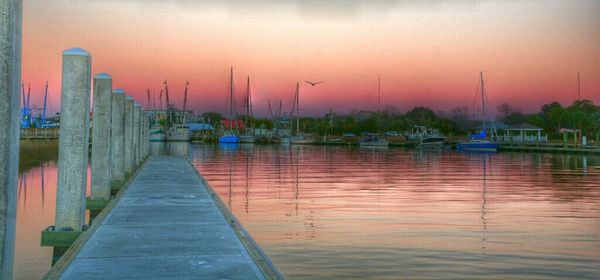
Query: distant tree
x,y
505,110
213,118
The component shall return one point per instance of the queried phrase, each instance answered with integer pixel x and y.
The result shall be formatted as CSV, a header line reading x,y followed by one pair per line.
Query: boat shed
x,y
524,132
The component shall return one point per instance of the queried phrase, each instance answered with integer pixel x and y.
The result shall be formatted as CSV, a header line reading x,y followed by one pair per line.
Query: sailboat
x,y
300,138
230,136
248,137
478,142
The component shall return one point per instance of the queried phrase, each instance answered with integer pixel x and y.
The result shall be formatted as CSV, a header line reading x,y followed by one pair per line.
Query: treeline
x,y
582,116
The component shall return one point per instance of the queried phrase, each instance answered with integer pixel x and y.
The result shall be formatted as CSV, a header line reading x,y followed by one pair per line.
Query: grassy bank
x,y
32,153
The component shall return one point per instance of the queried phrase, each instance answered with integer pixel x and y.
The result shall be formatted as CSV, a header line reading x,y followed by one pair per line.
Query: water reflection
x,y
350,213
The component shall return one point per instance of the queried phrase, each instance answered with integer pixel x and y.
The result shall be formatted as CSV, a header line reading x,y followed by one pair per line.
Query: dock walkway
x,y
165,226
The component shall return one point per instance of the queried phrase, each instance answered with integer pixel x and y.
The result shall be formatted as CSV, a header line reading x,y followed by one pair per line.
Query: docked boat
x,y
157,135
178,132
302,139
247,139
479,142
229,138
426,137
373,140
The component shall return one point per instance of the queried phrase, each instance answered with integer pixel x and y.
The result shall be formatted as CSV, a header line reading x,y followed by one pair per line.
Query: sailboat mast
x,y
379,94
45,105
167,94
482,100
148,101
231,99
298,107
185,96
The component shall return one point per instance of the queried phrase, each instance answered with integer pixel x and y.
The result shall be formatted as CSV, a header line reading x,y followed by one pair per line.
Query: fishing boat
x,y
178,132
156,135
231,136
479,142
373,140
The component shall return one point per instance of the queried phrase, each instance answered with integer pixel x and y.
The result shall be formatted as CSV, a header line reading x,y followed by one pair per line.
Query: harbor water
x,y
336,212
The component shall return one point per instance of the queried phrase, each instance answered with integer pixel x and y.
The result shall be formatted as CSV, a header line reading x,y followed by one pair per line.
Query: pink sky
x,y
428,54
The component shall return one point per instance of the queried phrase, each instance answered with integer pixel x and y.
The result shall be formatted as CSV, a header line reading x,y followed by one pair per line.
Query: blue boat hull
x,y
477,147
229,139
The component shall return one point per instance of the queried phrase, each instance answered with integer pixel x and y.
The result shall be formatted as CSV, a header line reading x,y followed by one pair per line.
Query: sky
x,y
428,53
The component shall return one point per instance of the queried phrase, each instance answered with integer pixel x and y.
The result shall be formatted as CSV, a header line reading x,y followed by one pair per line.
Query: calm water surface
x,y
350,213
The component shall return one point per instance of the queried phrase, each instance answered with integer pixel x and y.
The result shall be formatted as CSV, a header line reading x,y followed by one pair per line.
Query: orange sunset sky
x,y
429,53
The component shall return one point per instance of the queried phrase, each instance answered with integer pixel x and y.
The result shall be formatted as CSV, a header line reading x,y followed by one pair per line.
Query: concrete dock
x,y
165,225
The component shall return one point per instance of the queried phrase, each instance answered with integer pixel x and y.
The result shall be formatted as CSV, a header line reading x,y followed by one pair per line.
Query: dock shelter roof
x,y
524,127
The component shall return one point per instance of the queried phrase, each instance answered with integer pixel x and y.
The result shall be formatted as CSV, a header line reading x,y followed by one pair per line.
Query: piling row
x,y
119,135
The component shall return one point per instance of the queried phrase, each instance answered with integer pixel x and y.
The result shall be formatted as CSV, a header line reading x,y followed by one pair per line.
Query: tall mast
x,y
45,104
160,99
231,98
185,96
248,102
167,94
23,90
28,93
298,107
379,94
154,99
482,100
148,93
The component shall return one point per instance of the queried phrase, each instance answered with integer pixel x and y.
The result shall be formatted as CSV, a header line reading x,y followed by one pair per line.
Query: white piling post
x,y
128,135
10,77
74,139
136,134
101,159
118,137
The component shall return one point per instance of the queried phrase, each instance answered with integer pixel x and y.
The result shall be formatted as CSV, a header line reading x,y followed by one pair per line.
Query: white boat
x,y
157,135
178,132
247,139
302,139
427,137
373,140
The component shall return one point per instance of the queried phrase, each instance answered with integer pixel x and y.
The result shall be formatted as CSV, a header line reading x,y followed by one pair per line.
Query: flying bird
x,y
313,83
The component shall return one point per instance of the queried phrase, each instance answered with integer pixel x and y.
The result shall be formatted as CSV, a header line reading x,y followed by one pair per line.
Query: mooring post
x,y
144,134
117,138
147,139
74,140
128,135
10,77
137,108
101,161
